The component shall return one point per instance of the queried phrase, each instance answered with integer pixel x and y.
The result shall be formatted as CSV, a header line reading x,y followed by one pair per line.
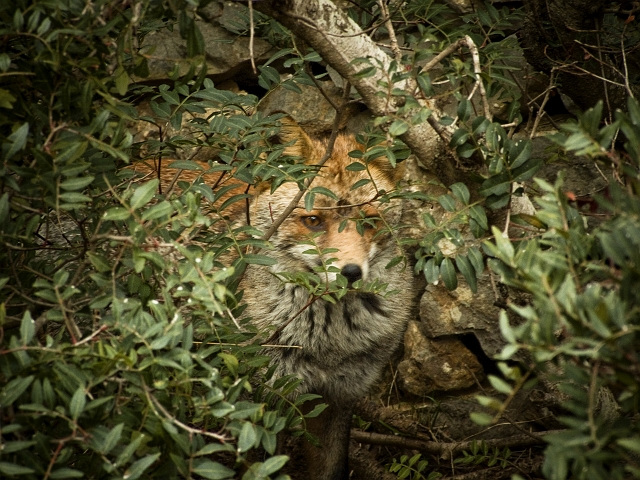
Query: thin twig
x,y
157,405
251,35
443,54
624,63
393,41
602,72
536,122
477,71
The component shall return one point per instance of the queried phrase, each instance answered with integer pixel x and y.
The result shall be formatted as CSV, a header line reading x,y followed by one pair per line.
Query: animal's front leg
x,y
329,460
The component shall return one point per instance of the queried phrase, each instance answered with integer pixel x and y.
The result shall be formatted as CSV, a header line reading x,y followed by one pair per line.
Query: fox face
x,y
344,232
338,348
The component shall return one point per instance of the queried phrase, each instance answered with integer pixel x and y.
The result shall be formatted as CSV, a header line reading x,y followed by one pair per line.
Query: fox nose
x,y
351,272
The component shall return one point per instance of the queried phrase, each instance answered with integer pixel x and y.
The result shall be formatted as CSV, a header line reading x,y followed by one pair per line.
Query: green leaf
x,y
428,220
273,464
268,77
17,141
424,82
527,170
461,192
74,198
255,259
144,193
69,152
10,447
5,62
431,271
13,469
480,216
324,191
500,385
116,213
479,126
467,271
398,127
520,152
248,437
505,328
122,81
632,444
99,262
77,183
27,328
504,246
508,351
465,110
66,472
459,137
499,184
111,439
230,361
447,202
195,40
360,183
77,403
12,390
309,200
162,209
355,167
481,418
212,470
448,274
4,208
495,136
138,468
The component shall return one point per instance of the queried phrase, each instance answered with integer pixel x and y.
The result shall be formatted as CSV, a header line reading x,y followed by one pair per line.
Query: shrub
x,y
120,356
581,326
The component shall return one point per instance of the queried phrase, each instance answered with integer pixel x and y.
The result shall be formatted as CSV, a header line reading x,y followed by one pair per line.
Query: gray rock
x,y
430,365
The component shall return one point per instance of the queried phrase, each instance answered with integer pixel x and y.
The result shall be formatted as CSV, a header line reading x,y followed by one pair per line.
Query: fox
x,y
341,346
336,346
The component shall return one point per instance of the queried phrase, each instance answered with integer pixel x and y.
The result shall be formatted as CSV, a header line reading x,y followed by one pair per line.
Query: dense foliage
x,y
581,326
116,362
120,351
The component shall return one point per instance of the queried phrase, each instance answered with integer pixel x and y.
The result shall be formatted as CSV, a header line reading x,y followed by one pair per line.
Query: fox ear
x,y
291,132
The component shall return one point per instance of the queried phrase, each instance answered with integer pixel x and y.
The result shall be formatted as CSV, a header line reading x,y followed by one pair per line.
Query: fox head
x,y
344,232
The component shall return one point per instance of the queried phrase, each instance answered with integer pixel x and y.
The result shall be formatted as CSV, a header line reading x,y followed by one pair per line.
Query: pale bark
x,y
342,44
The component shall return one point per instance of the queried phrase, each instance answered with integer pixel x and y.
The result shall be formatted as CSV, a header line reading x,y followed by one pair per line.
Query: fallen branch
x,y
446,449
524,466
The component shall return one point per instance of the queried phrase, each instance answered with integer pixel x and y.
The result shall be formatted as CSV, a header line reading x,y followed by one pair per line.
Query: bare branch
x,y
251,36
393,41
446,449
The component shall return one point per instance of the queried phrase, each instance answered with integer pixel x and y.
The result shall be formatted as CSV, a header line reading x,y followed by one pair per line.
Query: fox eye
x,y
313,222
